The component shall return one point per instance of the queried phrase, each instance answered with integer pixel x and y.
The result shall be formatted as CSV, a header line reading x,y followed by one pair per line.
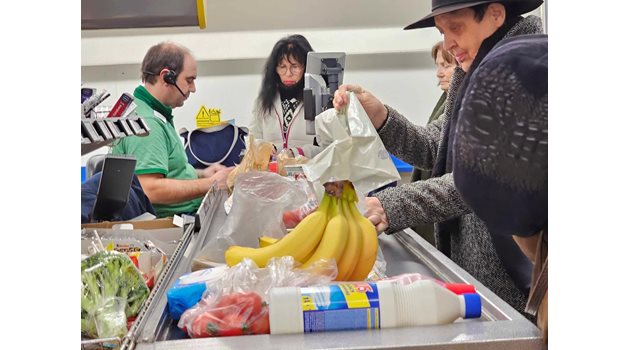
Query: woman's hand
x,y
372,105
376,214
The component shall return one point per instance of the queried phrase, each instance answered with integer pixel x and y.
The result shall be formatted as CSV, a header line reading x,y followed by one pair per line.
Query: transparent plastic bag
x,y
379,268
256,157
286,158
258,203
110,319
239,303
293,217
143,249
189,288
106,275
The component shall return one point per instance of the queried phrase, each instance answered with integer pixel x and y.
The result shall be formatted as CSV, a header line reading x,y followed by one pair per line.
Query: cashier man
x,y
172,185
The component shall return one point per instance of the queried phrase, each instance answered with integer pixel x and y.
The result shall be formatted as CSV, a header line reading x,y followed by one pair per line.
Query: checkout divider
x,y
499,327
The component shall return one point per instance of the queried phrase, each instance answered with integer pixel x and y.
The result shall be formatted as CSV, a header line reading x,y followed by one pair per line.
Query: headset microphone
x,y
178,89
170,78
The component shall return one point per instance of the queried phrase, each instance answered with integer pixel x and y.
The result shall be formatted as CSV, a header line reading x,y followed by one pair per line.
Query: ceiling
x,y
261,15
236,15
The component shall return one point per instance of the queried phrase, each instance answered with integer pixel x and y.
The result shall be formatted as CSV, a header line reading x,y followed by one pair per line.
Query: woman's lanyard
x,y
285,136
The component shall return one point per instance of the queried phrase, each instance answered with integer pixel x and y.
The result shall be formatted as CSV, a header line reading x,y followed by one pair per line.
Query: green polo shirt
x,y
160,152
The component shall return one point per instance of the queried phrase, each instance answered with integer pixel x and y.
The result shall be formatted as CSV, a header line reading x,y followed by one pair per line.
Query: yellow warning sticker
x,y
202,119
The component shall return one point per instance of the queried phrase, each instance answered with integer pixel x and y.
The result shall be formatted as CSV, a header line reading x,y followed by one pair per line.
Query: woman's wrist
x,y
381,117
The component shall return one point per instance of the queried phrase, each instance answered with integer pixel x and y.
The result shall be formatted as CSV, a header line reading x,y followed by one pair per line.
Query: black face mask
x,y
294,91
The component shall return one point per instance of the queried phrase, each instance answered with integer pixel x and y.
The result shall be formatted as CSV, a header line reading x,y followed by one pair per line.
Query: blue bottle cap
x,y
473,305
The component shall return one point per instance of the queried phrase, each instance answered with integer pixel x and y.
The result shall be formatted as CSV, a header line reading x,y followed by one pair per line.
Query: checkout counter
x,y
499,327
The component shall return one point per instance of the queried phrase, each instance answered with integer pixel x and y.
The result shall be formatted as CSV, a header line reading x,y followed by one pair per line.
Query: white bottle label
x,y
342,306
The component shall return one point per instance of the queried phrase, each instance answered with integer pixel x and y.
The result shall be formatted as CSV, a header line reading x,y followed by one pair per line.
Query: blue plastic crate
x,y
401,166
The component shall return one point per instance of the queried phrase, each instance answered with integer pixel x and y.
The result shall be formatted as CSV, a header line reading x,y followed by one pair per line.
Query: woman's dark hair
x,y
295,46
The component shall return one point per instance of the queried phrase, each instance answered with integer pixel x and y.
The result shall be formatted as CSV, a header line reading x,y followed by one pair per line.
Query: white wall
x,y
392,63
404,80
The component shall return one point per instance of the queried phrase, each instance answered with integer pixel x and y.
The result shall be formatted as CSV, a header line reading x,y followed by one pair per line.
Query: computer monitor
x,y
114,186
322,77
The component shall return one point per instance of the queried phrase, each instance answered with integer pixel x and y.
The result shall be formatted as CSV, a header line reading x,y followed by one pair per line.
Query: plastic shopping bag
x,y
353,152
238,304
259,201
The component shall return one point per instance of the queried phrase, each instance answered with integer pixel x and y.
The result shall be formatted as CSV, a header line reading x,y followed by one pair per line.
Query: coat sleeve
x,y
416,145
257,127
256,124
422,202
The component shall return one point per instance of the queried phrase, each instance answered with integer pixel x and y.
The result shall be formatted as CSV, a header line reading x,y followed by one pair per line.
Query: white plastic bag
x,y
354,151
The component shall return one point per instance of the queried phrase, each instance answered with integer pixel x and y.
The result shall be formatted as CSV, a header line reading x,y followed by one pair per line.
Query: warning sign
x,y
203,118
207,117
215,115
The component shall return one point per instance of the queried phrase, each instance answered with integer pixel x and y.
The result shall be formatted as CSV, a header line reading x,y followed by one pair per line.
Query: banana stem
x,y
333,209
349,190
324,205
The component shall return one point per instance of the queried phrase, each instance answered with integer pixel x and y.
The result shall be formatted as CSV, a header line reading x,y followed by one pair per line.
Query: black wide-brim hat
x,y
438,7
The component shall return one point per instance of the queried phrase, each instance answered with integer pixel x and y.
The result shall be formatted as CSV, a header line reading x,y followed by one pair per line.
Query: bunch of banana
x,y
300,243
335,238
337,230
369,247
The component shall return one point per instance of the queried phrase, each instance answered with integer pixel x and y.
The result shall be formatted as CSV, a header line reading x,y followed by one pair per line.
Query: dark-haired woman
x,y
278,115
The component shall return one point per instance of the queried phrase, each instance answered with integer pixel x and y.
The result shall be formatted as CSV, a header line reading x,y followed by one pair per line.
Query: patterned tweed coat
x,y
436,200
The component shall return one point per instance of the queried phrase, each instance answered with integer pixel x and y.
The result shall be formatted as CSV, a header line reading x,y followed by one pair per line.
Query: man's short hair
x,y
163,55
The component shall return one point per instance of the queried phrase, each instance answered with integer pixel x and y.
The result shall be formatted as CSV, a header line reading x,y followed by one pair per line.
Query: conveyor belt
x,y
500,327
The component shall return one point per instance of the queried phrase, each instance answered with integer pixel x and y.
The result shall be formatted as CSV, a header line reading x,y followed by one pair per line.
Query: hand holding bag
x,y
217,144
353,151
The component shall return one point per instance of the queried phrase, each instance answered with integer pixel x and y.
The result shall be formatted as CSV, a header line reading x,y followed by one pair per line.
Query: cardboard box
x,y
142,224
130,237
163,233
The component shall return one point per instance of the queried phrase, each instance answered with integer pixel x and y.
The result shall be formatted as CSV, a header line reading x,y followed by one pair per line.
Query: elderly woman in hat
x,y
471,30
500,152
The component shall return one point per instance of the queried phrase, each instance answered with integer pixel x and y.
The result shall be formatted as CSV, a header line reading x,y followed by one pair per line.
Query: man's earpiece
x,y
170,77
